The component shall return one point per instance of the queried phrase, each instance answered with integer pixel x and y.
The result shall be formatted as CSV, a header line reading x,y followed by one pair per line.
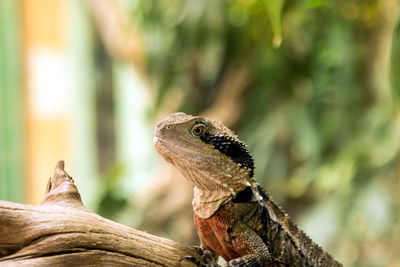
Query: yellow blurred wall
x,y
48,90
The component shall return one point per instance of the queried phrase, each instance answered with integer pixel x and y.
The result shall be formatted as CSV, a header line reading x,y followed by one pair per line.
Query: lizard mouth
x,y
158,145
156,141
170,151
162,149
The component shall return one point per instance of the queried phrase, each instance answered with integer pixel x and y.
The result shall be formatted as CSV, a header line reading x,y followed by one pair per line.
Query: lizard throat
x,y
212,190
206,203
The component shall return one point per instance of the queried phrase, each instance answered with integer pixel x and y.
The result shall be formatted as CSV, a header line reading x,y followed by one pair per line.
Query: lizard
x,y
235,218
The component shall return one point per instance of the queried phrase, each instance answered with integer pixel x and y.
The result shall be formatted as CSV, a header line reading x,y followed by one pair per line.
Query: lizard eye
x,y
198,129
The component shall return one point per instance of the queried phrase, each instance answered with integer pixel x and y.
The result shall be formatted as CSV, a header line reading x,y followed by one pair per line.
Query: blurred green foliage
x,y
320,117
11,106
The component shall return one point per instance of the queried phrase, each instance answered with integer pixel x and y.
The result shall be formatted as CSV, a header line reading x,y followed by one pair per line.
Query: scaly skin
x,y
234,217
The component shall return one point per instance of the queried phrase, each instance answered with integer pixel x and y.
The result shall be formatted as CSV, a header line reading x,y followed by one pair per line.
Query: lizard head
x,y
204,151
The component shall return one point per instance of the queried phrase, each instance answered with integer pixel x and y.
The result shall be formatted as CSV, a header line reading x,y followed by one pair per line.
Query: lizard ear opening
x,y
232,148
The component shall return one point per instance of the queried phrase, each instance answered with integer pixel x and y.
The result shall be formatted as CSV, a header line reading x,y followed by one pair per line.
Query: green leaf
x,y
274,12
314,3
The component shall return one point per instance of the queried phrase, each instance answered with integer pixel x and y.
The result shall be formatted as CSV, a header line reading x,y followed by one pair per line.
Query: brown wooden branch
x,y
61,231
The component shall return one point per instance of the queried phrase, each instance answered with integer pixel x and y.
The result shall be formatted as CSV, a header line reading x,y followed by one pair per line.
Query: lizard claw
x,y
202,257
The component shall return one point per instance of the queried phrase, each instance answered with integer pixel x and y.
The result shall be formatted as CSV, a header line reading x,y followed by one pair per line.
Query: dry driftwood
x,y
61,231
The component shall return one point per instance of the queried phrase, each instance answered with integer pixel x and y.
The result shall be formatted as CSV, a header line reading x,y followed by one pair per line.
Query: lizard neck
x,y
206,202
213,187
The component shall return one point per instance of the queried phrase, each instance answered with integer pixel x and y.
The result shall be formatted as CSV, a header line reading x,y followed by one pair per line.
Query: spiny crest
x,y
232,148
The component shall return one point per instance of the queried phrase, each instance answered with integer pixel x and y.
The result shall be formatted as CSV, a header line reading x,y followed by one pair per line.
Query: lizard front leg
x,y
202,257
249,244
245,242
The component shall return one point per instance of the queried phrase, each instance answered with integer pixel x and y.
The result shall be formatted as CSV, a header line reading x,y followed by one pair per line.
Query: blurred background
x,y
310,85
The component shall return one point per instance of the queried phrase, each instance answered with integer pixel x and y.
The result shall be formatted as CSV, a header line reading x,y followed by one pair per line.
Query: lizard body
x,y
234,216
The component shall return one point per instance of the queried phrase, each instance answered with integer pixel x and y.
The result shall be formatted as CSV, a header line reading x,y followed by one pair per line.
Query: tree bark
x,y
61,231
